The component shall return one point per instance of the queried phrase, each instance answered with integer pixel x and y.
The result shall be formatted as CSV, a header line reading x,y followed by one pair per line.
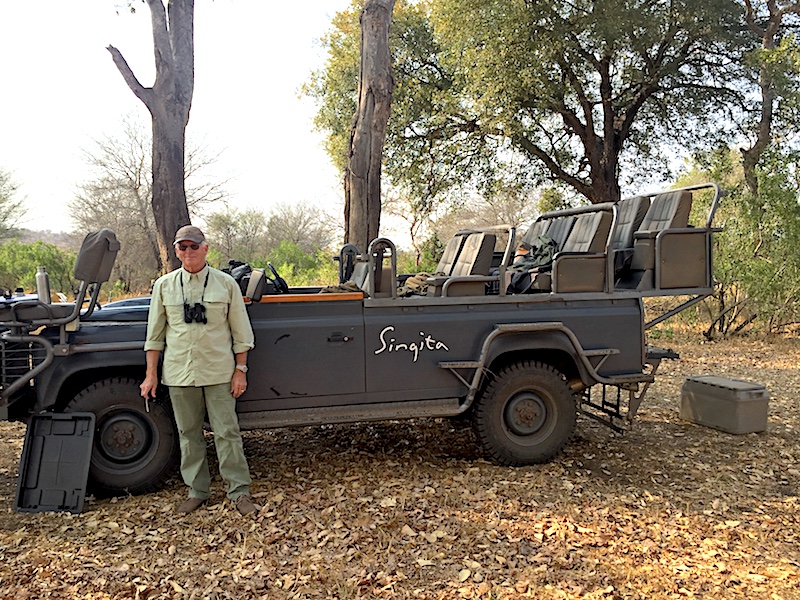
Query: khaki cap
x,y
190,233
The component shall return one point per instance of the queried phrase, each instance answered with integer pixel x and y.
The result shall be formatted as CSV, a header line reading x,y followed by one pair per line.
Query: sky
x,y
61,91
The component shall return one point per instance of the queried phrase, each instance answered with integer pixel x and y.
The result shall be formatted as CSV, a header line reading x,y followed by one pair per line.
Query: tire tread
x,y
482,413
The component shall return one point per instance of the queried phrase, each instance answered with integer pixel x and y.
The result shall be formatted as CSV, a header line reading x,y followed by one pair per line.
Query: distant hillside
x,y
65,241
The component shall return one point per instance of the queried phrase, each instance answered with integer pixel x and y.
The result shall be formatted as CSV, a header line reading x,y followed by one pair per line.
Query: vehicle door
x,y
306,346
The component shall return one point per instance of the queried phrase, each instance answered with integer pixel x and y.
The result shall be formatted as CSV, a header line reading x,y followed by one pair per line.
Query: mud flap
x,y
54,466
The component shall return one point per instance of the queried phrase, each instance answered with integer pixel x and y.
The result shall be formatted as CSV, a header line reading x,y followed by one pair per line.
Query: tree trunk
x,y
169,195
168,101
362,181
768,30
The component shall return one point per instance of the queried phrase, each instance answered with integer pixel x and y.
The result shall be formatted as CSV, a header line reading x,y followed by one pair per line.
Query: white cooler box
x,y
731,405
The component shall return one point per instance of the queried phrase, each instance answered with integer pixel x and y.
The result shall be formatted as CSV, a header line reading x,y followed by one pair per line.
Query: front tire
x,y
134,451
525,415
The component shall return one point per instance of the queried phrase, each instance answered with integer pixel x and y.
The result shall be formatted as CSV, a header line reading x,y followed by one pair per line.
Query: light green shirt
x,y
197,354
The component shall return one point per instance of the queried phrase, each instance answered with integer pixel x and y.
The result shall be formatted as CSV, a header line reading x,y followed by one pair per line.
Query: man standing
x,y
199,321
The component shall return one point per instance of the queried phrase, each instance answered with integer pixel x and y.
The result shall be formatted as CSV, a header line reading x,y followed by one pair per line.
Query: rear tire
x,y
525,415
134,451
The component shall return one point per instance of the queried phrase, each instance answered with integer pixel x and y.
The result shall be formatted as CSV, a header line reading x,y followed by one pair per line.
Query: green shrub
x,y
18,262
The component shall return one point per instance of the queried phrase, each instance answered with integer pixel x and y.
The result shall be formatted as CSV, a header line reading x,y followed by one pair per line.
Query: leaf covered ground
x,y
411,510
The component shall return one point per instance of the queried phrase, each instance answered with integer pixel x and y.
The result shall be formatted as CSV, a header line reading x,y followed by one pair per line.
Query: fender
x,y
556,341
50,384
522,336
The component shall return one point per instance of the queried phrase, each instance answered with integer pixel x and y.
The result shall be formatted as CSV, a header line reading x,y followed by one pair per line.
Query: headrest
x,y
96,257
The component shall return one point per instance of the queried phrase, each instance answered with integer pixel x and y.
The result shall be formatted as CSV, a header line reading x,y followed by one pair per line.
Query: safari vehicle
x,y
521,365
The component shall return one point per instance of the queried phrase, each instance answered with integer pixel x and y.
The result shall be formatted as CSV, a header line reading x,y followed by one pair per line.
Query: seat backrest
x,y
450,255
255,285
559,229
359,274
669,210
538,228
475,257
589,233
630,215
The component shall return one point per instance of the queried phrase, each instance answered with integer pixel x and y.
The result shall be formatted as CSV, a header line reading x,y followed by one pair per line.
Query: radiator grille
x,y
18,360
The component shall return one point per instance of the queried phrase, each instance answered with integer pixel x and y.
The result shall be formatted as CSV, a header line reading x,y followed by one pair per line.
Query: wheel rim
x,y
124,438
525,414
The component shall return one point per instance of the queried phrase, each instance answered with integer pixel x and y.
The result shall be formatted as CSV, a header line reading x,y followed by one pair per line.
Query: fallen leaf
x,y
408,532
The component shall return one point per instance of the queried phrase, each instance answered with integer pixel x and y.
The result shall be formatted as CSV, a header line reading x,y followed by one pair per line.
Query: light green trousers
x,y
189,404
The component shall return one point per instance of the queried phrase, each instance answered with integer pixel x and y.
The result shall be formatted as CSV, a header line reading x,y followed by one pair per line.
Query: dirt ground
x,y
411,510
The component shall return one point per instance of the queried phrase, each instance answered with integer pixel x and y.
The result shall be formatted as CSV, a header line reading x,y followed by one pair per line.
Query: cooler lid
x,y
727,383
54,466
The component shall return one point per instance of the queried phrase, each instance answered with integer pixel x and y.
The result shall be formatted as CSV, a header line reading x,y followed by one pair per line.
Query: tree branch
x,y
569,117
144,94
751,156
552,165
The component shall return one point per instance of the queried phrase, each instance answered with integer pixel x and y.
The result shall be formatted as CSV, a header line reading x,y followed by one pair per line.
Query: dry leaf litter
x,y
411,510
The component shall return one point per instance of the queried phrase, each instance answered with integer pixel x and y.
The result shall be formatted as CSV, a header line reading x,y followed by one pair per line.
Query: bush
x,y
756,264
299,268
18,262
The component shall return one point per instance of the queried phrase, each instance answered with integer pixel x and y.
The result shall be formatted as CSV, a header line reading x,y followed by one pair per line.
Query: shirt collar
x,y
200,274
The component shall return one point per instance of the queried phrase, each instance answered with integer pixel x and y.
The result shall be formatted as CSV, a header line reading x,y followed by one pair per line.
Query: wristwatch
x,y
242,368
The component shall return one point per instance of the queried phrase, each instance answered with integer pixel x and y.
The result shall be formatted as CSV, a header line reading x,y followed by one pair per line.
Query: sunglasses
x,y
185,247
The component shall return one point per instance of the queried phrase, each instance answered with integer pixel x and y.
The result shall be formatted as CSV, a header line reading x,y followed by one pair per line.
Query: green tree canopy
x,y
428,149
756,264
18,262
580,87
579,90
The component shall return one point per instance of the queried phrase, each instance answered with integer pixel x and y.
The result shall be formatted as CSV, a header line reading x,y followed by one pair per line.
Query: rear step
x,y
609,407
654,353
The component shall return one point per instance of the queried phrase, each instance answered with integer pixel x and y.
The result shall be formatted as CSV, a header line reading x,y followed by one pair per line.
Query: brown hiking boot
x,y
191,505
245,505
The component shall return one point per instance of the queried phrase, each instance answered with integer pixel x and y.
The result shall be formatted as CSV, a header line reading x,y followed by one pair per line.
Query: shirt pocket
x,y
216,303
174,311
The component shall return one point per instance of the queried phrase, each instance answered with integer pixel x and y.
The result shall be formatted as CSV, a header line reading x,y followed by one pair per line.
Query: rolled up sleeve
x,y
239,321
156,322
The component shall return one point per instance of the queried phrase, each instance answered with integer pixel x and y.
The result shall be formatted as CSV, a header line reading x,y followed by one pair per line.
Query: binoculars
x,y
194,314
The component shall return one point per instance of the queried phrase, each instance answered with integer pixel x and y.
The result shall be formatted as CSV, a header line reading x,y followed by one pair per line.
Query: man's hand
x,y
149,386
238,383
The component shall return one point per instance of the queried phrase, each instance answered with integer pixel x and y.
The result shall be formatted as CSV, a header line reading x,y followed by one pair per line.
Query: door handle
x,y
339,337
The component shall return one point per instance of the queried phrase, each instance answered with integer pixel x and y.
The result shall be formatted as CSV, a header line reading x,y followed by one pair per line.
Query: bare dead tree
x,y
12,206
119,191
169,101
